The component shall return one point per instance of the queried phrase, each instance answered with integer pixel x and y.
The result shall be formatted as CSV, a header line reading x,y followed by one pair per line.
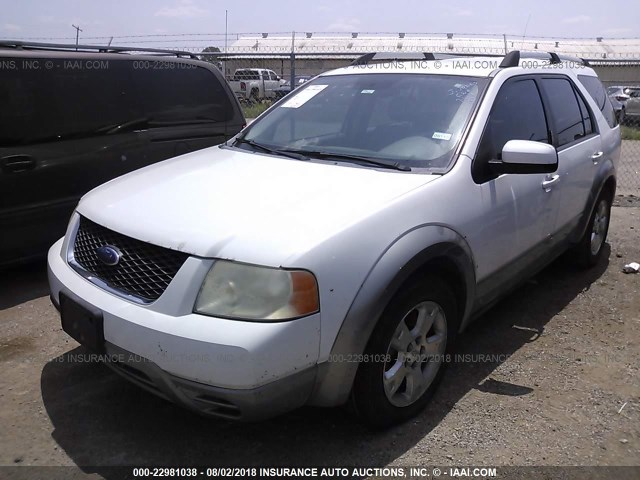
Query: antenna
x,y
78,30
525,31
226,26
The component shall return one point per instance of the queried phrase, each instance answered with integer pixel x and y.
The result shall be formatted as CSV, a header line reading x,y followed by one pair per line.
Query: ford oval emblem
x,y
109,255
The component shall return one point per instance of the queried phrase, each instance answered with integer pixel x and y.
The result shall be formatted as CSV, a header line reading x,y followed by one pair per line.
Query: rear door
x,y
579,149
71,124
52,148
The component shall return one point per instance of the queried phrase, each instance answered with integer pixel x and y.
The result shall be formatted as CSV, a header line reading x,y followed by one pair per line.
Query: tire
x,y
254,95
589,250
391,385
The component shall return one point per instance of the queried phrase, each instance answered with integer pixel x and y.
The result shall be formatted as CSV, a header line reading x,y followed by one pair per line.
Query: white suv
x,y
333,249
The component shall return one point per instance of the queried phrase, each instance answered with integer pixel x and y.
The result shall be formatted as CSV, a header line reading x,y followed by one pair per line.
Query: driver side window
x,y
517,114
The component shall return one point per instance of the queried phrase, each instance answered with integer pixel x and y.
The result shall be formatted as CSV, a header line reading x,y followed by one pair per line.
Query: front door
x,y
519,207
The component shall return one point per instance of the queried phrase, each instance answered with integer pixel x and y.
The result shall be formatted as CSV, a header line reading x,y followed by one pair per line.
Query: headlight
x,y
249,292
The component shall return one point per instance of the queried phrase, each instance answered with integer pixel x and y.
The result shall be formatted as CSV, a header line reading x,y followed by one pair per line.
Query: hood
x,y
227,203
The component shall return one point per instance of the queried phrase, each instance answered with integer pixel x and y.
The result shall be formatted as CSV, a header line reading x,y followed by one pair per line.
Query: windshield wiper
x,y
117,128
150,122
353,158
273,151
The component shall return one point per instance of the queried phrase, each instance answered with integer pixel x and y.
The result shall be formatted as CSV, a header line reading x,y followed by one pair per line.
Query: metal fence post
x,y
293,61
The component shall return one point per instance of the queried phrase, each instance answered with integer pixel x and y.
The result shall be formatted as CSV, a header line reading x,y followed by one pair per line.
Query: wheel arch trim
x,y
408,255
606,175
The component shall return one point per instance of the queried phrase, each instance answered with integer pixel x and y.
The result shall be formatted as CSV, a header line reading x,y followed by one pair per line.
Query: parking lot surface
x,y
550,376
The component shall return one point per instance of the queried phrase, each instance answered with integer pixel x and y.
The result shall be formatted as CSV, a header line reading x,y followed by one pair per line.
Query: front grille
x,y
144,270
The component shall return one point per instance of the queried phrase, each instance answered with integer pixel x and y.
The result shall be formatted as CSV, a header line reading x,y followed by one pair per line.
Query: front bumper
x,y
246,405
230,368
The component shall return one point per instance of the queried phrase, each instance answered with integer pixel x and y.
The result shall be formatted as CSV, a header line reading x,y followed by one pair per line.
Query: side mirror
x,y
525,156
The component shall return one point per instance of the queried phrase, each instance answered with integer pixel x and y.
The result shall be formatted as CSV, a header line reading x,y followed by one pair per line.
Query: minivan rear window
x,y
71,98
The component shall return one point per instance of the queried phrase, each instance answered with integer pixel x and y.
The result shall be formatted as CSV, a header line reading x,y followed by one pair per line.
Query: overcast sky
x,y
556,18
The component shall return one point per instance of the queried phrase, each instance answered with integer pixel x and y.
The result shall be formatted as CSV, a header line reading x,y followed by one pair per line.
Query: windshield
x,y
412,119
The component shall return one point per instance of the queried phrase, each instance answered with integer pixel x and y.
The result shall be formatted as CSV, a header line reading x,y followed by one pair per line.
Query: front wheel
x,y
406,355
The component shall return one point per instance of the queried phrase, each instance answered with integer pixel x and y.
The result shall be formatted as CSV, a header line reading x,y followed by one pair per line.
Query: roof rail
x,y
19,45
512,59
378,57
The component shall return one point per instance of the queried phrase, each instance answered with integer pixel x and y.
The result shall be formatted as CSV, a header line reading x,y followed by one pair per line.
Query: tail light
x,y
243,86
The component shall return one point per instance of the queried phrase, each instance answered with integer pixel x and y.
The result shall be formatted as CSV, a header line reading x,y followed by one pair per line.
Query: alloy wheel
x,y
415,354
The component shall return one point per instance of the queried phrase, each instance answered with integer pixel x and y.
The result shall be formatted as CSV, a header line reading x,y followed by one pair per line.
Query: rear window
x,y
74,98
597,92
246,75
595,89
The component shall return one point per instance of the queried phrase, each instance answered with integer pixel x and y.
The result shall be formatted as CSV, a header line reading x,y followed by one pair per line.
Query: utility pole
x,y
504,36
78,30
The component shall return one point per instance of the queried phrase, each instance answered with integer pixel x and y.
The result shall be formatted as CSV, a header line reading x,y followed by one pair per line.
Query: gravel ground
x,y
549,377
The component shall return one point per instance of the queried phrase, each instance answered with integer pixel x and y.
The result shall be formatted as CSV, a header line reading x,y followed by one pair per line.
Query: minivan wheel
x,y
590,248
406,354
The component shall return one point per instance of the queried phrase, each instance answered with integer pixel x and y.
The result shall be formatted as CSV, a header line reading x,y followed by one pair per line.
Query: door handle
x,y
596,156
549,181
17,163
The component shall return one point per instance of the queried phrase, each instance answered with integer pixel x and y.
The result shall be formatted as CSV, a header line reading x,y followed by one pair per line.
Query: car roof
x,y
480,66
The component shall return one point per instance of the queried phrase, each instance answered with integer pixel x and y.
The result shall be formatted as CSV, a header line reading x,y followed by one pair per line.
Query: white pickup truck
x,y
255,83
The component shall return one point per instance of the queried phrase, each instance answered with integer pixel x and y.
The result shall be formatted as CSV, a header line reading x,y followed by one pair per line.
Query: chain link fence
x,y
294,57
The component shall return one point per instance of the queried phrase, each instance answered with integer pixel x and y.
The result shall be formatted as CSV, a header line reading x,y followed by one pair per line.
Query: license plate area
x,y
82,322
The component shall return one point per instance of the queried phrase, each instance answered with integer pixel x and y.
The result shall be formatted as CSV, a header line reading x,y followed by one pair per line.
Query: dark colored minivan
x,y
72,119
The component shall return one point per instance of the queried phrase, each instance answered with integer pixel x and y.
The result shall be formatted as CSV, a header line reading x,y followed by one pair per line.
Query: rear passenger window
x,y
564,110
517,114
66,101
599,94
181,94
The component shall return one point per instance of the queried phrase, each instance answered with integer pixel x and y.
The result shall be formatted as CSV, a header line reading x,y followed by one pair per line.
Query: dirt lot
x,y
552,378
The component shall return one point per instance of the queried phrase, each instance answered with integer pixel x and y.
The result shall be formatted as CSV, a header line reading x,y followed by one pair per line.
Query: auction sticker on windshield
x,y
304,96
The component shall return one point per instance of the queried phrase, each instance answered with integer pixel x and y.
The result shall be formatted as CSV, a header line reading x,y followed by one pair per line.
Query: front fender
x,y
400,261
